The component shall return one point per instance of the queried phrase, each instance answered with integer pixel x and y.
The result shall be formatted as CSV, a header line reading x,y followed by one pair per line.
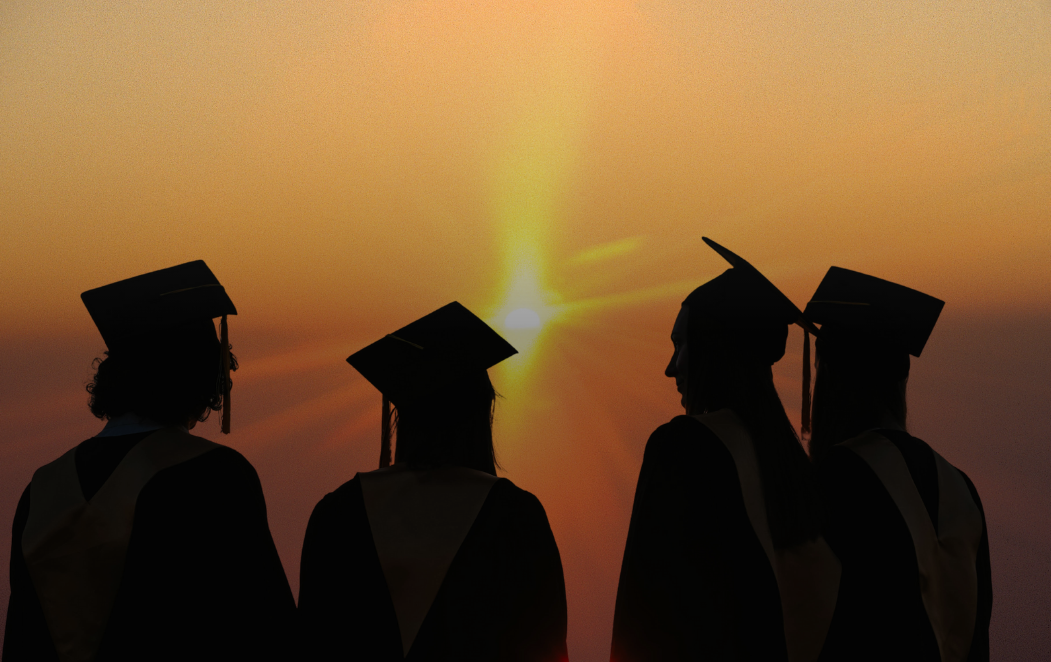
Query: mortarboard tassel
x,y
805,432
224,340
385,434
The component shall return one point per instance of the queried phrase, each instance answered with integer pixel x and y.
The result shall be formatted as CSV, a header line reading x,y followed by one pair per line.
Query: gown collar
x,y
130,423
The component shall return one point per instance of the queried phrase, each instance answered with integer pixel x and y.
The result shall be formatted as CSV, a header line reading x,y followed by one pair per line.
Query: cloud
x,y
608,251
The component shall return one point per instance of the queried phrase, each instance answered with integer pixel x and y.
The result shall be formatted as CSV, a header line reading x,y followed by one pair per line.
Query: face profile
x,y
724,493
678,366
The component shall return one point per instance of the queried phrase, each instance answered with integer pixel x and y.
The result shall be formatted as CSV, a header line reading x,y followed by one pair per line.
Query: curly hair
x,y
171,377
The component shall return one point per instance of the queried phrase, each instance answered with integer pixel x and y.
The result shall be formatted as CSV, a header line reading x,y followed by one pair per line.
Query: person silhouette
x,y
724,558
434,557
907,525
146,542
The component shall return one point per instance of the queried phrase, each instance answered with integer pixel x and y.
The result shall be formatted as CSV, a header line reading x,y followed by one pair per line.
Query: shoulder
x,y
842,461
223,461
685,453
508,501
907,441
336,504
21,515
972,489
966,479
681,437
348,490
505,490
23,501
228,457
840,457
910,446
842,470
852,451
517,519
220,476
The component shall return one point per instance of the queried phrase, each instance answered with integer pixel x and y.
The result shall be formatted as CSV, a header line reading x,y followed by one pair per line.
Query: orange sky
x,y
347,167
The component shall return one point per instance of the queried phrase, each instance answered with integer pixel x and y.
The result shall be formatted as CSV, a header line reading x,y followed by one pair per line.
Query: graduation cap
x,y
130,311
893,315
751,295
746,297
425,355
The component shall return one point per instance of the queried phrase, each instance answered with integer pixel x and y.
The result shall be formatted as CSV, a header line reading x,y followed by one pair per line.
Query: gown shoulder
x,y
201,579
201,546
881,612
695,582
682,437
503,597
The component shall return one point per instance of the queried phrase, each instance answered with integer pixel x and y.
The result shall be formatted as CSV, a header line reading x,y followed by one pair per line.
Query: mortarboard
x,y
127,309
747,296
751,294
131,310
425,354
901,317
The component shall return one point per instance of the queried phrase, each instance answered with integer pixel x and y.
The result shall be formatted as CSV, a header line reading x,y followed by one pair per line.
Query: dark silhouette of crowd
x,y
146,542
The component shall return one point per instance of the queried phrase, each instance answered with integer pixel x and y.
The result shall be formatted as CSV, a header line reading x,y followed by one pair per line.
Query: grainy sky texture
x,y
345,167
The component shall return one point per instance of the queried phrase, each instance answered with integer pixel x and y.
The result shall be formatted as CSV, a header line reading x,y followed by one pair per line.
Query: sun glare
x,y
526,310
522,318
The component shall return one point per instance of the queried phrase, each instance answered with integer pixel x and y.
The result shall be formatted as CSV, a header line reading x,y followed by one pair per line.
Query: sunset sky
x,y
346,167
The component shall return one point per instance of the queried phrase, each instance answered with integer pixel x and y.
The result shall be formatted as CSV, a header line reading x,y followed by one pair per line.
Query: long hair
x,y
450,424
731,370
858,386
171,377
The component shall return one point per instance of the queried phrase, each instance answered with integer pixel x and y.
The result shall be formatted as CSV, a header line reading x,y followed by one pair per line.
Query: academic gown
x,y
695,583
201,580
502,598
881,613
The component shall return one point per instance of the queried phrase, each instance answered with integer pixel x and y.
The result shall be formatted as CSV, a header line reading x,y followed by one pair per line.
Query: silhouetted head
x,y
860,385
869,328
449,423
434,371
727,330
172,377
164,360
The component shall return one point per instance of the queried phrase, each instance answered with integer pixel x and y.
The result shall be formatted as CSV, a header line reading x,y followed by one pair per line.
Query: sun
x,y
525,313
522,318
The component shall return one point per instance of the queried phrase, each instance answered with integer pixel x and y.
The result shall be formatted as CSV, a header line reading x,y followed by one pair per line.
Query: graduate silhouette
x,y
146,542
724,558
433,557
907,525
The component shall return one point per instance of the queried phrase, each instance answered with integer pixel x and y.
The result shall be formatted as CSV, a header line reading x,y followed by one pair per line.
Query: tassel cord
x,y
805,418
224,340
